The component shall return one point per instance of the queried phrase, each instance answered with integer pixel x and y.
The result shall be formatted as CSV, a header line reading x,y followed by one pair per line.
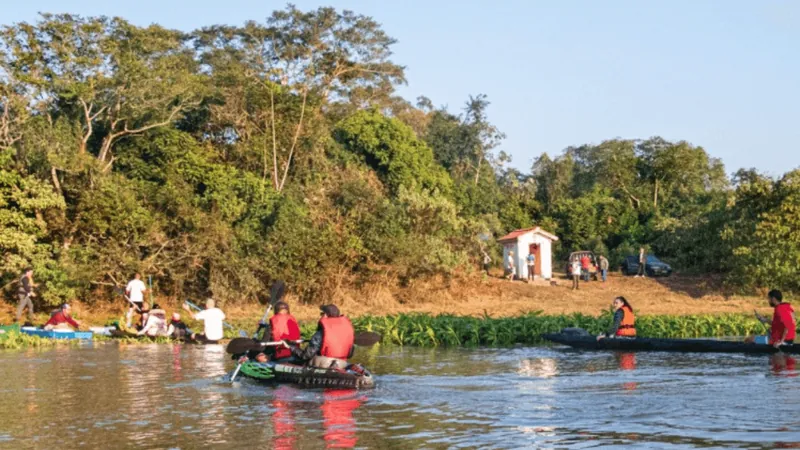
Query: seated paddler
x,y
332,344
624,324
282,326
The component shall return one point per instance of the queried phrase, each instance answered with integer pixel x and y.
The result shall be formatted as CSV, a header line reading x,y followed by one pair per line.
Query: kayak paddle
x,y
276,293
243,345
121,292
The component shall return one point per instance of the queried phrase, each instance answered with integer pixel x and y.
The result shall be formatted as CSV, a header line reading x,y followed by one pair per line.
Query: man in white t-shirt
x,y
135,291
212,318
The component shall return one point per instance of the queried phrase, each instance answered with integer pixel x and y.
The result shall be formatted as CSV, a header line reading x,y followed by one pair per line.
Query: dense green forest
x,y
222,159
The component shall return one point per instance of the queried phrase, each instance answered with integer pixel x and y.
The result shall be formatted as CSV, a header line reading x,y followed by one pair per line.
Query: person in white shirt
x,y
135,291
156,324
212,318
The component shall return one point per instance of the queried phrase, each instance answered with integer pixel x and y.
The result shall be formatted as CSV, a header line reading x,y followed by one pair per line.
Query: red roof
x,y
517,233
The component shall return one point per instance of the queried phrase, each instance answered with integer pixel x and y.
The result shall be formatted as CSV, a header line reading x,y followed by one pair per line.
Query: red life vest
x,y
284,326
627,327
337,337
783,314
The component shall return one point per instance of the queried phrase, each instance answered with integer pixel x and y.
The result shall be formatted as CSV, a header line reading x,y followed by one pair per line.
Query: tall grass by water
x,y
454,331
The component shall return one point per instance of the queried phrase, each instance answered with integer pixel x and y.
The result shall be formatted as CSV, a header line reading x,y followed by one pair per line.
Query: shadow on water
x,y
177,396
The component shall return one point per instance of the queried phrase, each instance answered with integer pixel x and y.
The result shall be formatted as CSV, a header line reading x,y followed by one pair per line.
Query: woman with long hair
x,y
624,325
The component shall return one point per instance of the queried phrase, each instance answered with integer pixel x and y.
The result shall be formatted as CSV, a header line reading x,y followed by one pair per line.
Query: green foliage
x,y
461,331
224,158
390,148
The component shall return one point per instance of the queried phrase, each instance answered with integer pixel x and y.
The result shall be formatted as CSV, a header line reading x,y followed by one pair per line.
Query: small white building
x,y
530,240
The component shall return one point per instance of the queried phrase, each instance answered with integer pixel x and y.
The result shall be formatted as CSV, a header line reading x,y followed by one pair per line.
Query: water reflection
x,y
283,419
627,361
783,365
157,396
337,417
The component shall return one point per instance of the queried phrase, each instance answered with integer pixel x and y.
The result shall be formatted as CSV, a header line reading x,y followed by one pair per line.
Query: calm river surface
x,y
105,395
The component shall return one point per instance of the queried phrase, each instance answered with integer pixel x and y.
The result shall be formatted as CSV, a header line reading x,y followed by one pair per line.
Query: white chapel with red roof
x,y
530,240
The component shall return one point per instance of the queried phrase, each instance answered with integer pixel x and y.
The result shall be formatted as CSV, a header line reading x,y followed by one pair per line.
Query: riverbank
x,y
474,297
491,311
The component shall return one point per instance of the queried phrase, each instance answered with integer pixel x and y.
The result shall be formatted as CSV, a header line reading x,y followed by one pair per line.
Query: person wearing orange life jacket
x,y
333,342
283,326
624,325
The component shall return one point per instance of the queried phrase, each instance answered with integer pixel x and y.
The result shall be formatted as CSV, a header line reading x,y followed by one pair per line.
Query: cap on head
x,y
65,306
330,310
281,306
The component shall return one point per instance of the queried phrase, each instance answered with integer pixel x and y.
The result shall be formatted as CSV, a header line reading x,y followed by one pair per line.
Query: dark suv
x,y
653,268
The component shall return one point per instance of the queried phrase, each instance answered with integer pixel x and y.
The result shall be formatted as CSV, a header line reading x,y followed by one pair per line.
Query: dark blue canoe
x,y
578,338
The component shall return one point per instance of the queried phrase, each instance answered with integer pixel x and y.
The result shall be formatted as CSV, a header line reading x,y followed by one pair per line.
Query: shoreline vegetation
x,y
477,311
220,159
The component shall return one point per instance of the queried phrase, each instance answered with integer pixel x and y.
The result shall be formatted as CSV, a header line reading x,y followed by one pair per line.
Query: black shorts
x,y
139,305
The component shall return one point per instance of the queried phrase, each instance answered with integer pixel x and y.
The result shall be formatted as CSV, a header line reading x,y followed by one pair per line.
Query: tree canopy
x,y
221,159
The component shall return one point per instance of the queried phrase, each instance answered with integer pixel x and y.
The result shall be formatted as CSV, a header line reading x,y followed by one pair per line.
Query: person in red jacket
x,y
283,326
61,319
333,342
784,323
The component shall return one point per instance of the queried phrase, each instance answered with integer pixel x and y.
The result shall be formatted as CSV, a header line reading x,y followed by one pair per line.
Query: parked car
x,y
594,273
654,267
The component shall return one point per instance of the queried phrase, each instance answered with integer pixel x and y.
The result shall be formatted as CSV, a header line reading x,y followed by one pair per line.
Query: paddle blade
x,y
277,292
367,338
242,345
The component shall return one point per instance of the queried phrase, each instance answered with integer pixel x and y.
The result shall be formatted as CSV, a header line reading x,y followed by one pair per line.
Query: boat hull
x,y
271,372
57,334
589,342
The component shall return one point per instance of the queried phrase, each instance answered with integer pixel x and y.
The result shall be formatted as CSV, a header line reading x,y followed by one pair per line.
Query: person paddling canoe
x,y
212,318
62,320
333,342
624,320
784,323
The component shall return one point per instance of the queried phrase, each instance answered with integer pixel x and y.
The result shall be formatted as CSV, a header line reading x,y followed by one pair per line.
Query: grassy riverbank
x,y
490,311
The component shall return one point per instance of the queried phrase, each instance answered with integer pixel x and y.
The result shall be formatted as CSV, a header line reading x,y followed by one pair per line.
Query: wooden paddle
x,y
121,292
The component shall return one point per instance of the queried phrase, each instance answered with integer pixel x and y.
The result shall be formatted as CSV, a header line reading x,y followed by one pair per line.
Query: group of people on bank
x,y
783,325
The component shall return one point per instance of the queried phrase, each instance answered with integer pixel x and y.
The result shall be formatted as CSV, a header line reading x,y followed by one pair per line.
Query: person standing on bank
x,y
487,261
531,260
603,267
25,293
511,268
642,264
135,291
576,273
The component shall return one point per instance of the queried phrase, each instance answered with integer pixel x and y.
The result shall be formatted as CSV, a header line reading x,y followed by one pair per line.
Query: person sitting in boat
x,y
624,320
333,342
784,322
261,357
212,318
156,324
62,320
283,327
179,329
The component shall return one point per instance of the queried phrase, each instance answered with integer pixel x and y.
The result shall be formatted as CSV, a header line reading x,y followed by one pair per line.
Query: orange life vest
x,y
337,337
284,326
627,327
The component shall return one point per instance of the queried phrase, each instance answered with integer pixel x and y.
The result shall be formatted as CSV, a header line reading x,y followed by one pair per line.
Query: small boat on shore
x,y
56,334
280,372
579,338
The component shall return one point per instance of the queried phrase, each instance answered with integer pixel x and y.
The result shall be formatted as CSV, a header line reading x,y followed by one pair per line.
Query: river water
x,y
106,395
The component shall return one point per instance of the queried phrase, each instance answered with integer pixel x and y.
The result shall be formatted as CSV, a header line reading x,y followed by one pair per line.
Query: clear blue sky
x,y
724,74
